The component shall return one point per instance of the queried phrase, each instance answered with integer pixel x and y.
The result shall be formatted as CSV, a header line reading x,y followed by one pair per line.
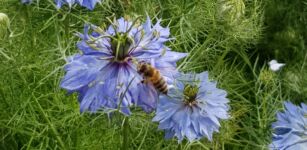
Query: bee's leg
x,y
144,81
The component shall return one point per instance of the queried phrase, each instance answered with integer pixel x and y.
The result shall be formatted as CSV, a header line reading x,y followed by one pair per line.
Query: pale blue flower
x,y
105,74
290,129
59,3
89,4
193,108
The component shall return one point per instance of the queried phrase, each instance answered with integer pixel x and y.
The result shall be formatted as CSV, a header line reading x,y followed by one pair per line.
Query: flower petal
x,y
81,70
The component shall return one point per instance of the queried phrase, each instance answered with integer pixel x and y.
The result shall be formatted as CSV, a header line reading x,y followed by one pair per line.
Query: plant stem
x,y
126,127
53,129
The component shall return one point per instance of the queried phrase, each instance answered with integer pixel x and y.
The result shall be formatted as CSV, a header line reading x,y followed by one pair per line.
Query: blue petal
x,y
147,97
289,129
165,110
299,145
195,116
86,49
166,124
167,66
121,26
164,32
59,3
81,71
89,4
141,53
94,98
171,56
292,109
169,134
282,130
147,25
304,107
180,117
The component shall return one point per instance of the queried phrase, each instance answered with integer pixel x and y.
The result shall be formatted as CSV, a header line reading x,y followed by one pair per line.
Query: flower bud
x,y
266,76
230,11
4,24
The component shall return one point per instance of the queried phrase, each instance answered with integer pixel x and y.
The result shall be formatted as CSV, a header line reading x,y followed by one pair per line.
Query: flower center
x,y
190,94
120,45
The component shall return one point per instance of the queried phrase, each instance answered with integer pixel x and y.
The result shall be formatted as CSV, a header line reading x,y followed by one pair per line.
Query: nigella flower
x,y
59,3
290,129
192,108
89,4
105,74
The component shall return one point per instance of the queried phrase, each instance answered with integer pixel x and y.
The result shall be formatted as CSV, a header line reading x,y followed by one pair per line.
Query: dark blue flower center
x,y
190,94
120,46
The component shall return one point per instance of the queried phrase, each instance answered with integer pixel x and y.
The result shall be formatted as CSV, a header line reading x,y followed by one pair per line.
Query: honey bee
x,y
153,76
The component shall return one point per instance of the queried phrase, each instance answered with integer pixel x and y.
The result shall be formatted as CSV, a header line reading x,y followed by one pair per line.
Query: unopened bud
x,y
97,29
230,11
266,76
4,24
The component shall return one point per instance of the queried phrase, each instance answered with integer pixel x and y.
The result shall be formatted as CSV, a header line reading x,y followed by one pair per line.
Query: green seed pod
x,y
4,24
266,76
230,10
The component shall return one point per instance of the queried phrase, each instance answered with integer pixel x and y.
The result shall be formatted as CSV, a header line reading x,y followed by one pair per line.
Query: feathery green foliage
x,y
232,39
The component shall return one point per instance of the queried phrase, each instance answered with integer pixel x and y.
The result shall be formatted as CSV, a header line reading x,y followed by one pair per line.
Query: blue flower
x,y
26,1
290,129
59,3
105,74
192,108
89,4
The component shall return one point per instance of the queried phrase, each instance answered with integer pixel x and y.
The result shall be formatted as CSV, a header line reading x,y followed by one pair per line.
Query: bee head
x,y
142,66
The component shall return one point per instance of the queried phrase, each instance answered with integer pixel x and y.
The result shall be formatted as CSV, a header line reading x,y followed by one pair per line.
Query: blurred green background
x,y
232,39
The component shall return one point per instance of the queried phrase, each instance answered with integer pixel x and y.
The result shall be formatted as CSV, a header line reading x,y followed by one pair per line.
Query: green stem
x,y
53,129
126,127
28,22
117,49
66,28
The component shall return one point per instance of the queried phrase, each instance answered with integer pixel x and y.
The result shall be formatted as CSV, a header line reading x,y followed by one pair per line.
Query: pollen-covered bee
x,y
153,76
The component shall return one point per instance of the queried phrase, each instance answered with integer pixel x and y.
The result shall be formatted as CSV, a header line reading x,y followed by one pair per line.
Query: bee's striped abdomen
x,y
153,75
160,84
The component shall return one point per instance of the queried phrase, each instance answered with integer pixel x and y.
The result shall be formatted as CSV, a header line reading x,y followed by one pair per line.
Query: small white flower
x,y
274,65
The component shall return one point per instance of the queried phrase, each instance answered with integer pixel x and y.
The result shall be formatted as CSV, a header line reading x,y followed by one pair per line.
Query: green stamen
x,y
190,94
120,46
